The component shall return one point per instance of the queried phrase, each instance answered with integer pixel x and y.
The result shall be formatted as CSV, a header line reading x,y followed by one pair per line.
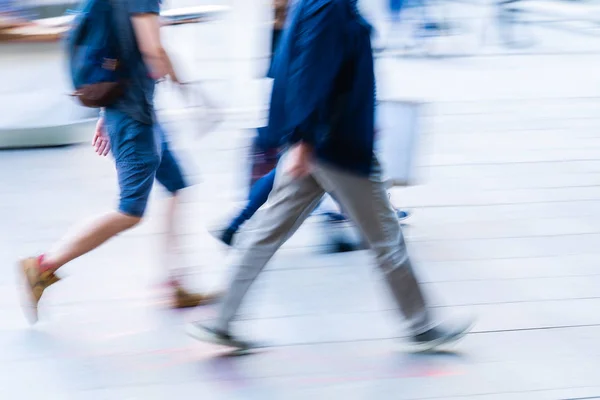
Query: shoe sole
x,y
29,302
442,342
206,337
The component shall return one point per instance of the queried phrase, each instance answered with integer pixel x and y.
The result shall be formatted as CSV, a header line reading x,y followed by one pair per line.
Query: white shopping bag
x,y
398,127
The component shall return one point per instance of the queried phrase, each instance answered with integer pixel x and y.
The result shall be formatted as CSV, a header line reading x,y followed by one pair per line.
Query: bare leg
x,y
176,273
89,237
173,269
38,273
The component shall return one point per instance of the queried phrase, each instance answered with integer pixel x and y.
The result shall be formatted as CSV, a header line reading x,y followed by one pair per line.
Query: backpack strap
x,y
118,13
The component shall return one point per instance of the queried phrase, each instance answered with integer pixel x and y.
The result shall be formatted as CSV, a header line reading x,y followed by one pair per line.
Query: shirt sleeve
x,y
143,6
318,53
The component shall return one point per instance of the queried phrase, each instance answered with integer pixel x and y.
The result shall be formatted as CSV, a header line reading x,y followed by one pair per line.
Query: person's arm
x,y
146,26
318,56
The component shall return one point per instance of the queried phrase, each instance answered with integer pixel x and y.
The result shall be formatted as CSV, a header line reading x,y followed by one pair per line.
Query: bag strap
x,y
118,27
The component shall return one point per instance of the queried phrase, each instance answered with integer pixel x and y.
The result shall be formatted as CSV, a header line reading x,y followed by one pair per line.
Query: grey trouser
x,y
292,200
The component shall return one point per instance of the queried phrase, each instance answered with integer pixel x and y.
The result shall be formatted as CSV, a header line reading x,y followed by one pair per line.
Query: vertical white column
x,y
249,22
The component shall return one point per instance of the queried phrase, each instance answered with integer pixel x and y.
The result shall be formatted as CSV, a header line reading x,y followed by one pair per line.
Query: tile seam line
x,y
479,164
392,338
383,310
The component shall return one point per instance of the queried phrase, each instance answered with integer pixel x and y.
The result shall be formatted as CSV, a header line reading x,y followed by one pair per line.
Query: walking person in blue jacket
x,y
322,108
264,161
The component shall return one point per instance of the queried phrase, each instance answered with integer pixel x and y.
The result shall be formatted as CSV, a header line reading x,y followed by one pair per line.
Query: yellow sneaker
x,y
184,299
35,283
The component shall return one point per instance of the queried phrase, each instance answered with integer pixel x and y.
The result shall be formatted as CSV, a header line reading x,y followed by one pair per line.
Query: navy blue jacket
x,y
324,85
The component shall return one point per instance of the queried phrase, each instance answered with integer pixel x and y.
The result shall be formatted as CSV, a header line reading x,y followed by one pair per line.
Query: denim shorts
x,y
141,155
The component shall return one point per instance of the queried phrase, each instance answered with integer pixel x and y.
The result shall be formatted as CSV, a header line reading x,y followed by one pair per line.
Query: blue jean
x,y
141,155
259,193
261,187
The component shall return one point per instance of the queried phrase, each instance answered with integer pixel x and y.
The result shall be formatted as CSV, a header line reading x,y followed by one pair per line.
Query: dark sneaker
x,y
440,335
215,336
184,299
342,236
35,282
224,236
344,247
227,237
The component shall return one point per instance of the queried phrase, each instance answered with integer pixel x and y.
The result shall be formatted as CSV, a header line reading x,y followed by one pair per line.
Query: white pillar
x,y
250,22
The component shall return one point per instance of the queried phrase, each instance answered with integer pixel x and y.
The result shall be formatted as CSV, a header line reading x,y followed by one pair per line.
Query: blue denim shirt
x,y
324,84
138,100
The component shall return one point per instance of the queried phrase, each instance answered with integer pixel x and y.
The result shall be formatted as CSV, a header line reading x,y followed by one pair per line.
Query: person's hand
x,y
300,161
101,142
158,68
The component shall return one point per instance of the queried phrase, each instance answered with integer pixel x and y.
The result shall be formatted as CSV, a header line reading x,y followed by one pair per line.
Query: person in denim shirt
x,y
130,131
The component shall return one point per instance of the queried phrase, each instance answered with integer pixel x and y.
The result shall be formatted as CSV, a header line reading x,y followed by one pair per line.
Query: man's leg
x,y
39,272
88,238
367,203
289,204
170,176
137,160
340,232
259,193
262,177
